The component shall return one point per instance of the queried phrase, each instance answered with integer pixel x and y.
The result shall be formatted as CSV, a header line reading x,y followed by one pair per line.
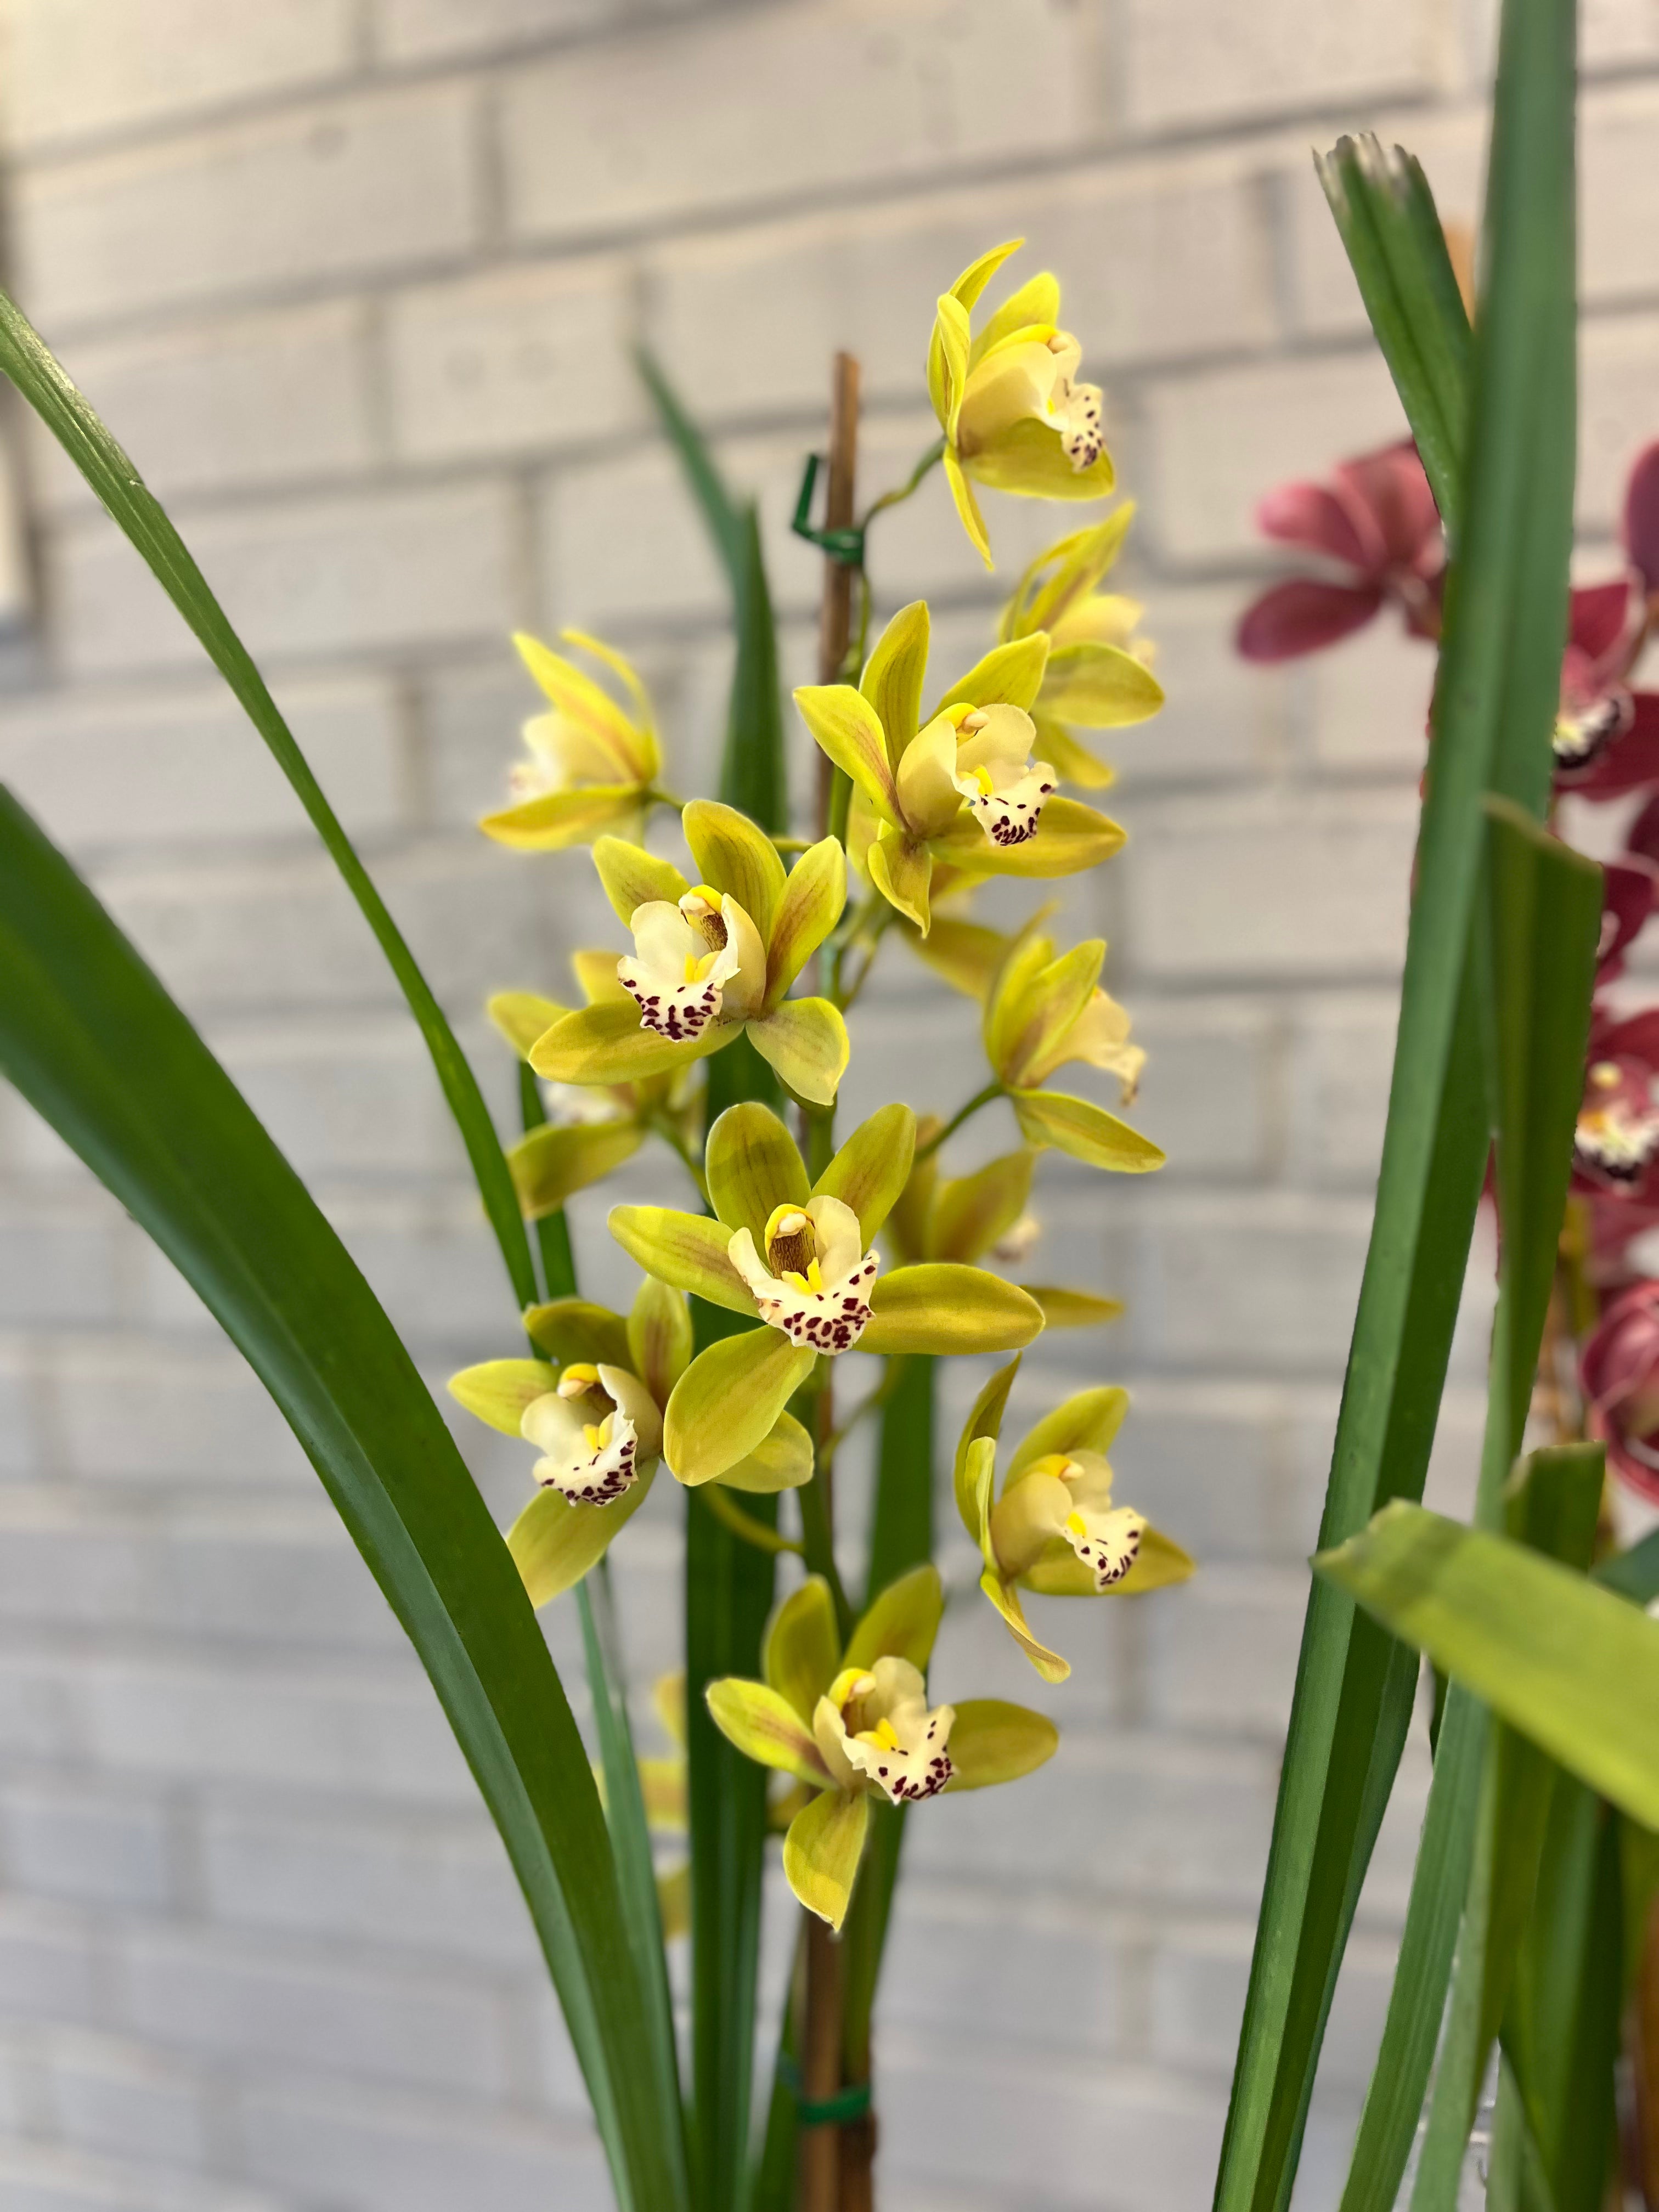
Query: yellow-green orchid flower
x,y
1014,413
589,1132
1042,1010
594,1411
981,1216
854,1723
712,961
960,791
1098,673
799,1257
590,766
1054,1530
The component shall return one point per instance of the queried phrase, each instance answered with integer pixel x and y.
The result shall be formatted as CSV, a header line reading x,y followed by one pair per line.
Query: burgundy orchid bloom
x,y
1376,518
1606,736
1642,518
1616,1140
1630,892
1619,1375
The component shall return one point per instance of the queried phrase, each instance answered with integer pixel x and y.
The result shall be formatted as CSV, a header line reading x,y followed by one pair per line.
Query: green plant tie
x,y
851,2103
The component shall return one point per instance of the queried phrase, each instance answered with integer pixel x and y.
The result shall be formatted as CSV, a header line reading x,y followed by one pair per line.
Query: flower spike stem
x,y
744,1525
962,1113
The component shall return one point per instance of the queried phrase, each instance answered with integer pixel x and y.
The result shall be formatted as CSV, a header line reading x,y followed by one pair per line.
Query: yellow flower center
x,y
1605,1075
701,909
881,1736
577,1380
791,1249
982,778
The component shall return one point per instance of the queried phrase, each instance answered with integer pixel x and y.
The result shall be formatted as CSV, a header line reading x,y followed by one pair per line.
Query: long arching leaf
x,y
91,1038
32,367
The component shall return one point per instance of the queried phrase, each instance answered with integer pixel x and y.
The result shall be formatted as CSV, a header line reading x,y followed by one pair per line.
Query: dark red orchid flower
x,y
1616,1140
1642,518
1619,1375
1630,892
1377,518
1606,736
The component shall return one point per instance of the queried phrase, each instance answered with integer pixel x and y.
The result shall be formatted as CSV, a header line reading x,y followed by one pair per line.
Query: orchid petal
x,y
686,1250
633,878
994,1741
766,1727
1084,1130
555,1161
754,1166
728,1399
903,1622
782,1459
660,1341
735,858
498,1390
801,1654
805,1041
576,1329
940,1308
606,1044
554,1543
822,1851
812,904
871,1167
893,675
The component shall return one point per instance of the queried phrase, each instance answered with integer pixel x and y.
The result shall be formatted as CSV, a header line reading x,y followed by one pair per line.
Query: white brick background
x,y
356,281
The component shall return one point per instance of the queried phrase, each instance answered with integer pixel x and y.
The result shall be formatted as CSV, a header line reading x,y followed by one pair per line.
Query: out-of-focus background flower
x,y
357,281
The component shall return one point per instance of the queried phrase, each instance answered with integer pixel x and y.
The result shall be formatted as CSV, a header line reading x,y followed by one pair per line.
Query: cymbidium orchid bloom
x,y
1619,1376
1042,1010
960,793
1015,413
588,1132
591,766
1376,518
711,961
855,1724
1055,1529
1098,674
1616,1139
799,1257
981,1216
594,1412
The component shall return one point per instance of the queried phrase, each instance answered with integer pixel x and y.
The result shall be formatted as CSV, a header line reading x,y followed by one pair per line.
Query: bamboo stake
x,y
819,2169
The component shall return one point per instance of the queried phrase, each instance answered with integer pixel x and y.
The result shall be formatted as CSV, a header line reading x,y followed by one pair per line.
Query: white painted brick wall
x,y
357,281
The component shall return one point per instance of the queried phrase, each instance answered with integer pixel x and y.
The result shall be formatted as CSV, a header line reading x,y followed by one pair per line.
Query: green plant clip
x,y
845,546
851,2103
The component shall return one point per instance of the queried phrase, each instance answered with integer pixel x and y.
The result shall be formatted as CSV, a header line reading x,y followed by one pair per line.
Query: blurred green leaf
x,y
1570,1665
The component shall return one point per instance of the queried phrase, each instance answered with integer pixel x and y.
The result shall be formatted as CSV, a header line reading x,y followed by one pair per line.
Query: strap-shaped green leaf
x,y
92,1040
1495,709
26,360
1569,1664
1390,226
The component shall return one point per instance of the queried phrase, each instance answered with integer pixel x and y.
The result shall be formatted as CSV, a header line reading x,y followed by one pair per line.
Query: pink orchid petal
x,y
1312,515
1395,494
1302,615
1642,516
1598,617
